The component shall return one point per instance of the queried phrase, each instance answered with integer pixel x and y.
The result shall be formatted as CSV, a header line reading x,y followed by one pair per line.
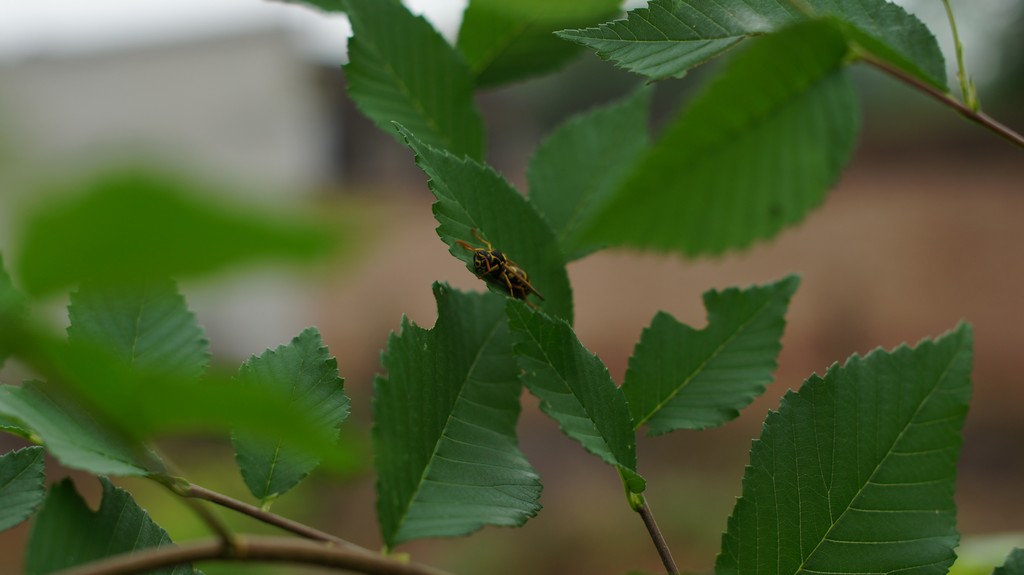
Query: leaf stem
x,y
248,549
977,117
639,504
198,492
970,94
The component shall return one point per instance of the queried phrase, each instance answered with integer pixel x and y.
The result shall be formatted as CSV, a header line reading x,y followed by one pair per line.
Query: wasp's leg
x,y
483,241
534,290
508,282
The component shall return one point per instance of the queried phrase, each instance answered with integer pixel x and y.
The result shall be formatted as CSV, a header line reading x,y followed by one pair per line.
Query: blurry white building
x,y
243,107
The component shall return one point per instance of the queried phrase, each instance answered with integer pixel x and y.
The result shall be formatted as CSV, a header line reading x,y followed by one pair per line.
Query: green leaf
x,y
856,472
444,425
305,372
668,37
146,408
508,41
13,309
472,196
74,435
401,70
325,5
146,325
1014,564
14,426
138,226
138,406
582,162
890,33
740,163
574,388
67,533
682,378
21,485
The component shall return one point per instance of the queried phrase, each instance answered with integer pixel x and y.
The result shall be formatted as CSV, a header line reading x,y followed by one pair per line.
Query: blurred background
x,y
924,230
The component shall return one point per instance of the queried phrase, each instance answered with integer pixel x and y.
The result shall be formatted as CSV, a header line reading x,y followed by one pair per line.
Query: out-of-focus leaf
x,y
574,388
402,70
21,485
146,406
1014,564
325,5
682,378
146,325
138,406
583,161
305,372
14,426
668,37
72,434
136,226
444,425
13,309
752,155
855,473
67,533
472,196
980,554
506,41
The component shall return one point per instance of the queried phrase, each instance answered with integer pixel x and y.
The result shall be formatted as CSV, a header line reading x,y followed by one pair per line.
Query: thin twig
x,y
977,117
175,484
224,534
659,540
264,549
301,529
969,110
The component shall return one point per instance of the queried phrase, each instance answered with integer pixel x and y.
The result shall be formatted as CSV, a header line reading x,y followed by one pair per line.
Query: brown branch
x,y
207,516
965,110
211,520
977,117
246,549
659,540
301,529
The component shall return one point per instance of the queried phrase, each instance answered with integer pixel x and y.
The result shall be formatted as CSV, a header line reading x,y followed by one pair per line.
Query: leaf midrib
x,y
516,31
594,197
572,392
668,41
24,470
726,139
278,445
440,437
711,357
415,103
938,384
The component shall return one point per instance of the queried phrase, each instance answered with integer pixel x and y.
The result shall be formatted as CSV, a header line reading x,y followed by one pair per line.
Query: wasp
x,y
497,269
